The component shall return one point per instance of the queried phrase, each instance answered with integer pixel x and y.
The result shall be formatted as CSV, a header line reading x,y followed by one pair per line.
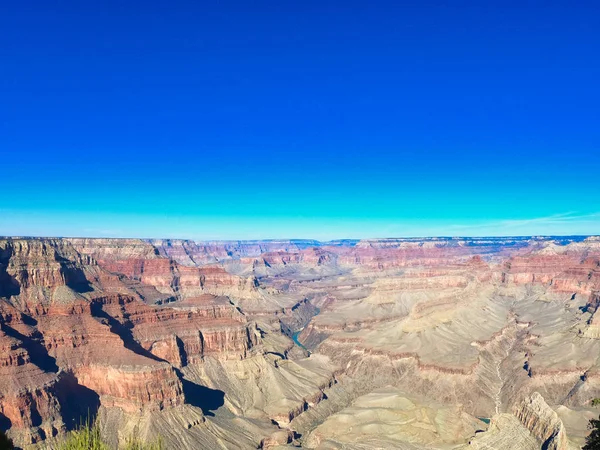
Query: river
x,y
297,333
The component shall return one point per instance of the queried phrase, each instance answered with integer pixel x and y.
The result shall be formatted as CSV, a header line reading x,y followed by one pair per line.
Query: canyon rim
x,y
383,343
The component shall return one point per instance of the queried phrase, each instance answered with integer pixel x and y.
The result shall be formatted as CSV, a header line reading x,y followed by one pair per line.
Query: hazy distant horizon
x,y
308,239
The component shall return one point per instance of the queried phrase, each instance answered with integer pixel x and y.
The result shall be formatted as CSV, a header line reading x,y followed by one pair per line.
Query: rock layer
x,y
192,340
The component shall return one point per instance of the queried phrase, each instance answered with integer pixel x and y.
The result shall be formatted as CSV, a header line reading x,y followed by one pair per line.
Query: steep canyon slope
x,y
404,343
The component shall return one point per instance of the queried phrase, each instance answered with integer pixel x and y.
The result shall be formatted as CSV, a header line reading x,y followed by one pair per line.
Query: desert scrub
x,y
592,442
134,443
88,437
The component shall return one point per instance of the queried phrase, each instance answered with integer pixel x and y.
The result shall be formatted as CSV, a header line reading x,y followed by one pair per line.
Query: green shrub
x,y
86,437
596,402
592,442
134,443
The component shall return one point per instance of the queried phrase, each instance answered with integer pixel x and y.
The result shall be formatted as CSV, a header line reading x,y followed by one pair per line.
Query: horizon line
x,y
423,237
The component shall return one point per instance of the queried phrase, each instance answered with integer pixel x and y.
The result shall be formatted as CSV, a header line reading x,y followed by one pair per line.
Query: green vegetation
x,y
88,437
5,442
596,402
592,442
134,443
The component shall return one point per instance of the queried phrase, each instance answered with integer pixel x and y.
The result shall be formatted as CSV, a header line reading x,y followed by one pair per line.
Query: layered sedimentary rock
x,y
535,414
50,318
166,271
406,341
388,418
28,399
483,331
76,322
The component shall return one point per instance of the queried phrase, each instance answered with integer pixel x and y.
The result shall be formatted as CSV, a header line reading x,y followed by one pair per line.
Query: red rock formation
x,y
69,325
120,319
164,269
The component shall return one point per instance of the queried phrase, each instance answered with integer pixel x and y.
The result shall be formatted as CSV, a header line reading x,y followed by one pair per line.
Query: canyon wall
x,y
156,335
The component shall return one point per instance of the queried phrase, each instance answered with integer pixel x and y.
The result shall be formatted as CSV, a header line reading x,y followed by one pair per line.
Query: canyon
x,y
464,343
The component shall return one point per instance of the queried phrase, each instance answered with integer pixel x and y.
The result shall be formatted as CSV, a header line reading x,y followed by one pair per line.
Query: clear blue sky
x,y
316,119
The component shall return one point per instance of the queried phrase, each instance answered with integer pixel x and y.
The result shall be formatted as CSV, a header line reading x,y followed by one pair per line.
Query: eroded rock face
x,y
28,394
504,432
165,270
192,339
67,319
388,418
118,325
535,414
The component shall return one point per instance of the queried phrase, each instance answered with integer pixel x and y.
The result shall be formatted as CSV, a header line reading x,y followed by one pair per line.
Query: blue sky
x,y
224,120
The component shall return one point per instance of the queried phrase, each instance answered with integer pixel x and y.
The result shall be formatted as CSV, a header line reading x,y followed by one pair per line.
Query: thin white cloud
x,y
563,223
553,219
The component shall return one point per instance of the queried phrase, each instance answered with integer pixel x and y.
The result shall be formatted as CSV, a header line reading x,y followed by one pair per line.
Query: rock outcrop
x,y
192,340
81,324
535,414
68,320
